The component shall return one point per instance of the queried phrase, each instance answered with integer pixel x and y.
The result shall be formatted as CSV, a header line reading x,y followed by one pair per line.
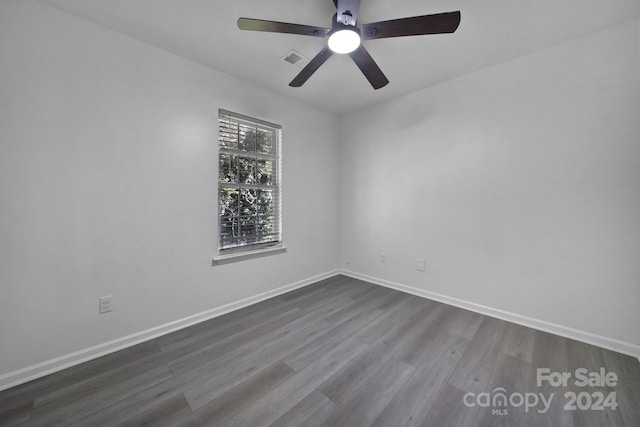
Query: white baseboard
x,y
39,370
563,331
32,372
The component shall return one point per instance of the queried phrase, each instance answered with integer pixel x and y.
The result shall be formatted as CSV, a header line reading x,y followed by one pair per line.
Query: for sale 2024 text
x,y
582,378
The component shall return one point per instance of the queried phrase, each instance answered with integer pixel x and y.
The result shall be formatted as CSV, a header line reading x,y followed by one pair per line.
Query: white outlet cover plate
x,y
105,304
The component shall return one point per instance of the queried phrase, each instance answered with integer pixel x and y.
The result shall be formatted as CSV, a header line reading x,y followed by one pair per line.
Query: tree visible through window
x,y
248,183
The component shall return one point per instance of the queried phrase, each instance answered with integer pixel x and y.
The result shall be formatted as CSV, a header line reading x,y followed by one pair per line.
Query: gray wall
x,y
108,183
518,184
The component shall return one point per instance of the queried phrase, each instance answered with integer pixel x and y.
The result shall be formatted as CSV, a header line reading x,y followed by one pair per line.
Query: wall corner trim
x,y
29,373
613,344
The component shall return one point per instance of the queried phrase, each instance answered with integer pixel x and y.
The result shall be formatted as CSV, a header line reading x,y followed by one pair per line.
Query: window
x,y
248,183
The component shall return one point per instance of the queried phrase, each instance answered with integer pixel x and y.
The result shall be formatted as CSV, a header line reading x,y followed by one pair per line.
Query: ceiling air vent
x,y
295,58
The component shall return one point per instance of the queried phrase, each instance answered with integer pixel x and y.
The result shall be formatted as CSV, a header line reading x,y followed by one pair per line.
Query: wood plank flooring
x,y
342,352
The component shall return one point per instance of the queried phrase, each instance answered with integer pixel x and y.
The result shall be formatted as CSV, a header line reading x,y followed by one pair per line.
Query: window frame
x,y
275,187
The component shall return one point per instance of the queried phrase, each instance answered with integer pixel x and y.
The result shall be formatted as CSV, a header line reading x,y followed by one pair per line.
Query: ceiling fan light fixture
x,y
345,37
344,40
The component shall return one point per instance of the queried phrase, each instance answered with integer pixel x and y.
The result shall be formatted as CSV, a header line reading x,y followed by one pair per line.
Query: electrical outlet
x,y
420,264
105,304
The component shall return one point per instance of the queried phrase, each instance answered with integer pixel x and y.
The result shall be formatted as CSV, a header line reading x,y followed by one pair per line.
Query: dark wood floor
x,y
339,353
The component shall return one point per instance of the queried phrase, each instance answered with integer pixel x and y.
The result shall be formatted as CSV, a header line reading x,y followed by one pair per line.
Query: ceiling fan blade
x,y
369,68
311,67
281,27
347,11
438,23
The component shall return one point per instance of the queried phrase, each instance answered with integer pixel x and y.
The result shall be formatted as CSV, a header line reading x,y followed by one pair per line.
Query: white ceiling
x,y
490,32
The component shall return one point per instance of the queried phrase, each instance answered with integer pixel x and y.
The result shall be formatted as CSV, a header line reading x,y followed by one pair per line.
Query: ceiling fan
x,y
345,37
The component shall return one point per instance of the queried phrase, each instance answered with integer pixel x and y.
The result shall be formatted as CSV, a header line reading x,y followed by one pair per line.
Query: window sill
x,y
239,256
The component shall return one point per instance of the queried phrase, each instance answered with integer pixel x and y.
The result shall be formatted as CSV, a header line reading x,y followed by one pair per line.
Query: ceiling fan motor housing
x,y
347,11
347,19
337,25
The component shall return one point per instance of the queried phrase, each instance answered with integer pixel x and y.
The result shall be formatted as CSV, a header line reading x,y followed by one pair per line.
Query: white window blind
x,y
248,183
